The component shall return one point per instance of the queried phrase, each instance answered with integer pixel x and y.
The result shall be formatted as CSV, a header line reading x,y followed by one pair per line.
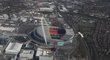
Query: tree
x,y
13,5
21,38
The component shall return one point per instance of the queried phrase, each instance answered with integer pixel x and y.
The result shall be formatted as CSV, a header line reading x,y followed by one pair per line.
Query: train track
x,y
101,39
98,45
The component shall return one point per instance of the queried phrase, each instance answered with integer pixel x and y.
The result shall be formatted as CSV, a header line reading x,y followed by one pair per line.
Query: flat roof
x,y
40,52
13,47
7,28
46,58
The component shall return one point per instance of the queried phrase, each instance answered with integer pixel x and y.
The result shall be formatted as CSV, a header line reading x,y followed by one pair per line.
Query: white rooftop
x,y
7,28
13,48
22,58
45,58
4,16
40,52
27,54
69,32
46,9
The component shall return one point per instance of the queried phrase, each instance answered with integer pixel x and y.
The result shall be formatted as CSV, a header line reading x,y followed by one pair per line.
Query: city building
x,y
4,17
26,54
10,29
13,48
62,8
44,54
40,52
46,9
46,58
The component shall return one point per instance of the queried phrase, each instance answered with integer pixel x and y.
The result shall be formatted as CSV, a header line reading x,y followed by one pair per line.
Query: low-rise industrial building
x,y
46,58
26,54
46,9
13,48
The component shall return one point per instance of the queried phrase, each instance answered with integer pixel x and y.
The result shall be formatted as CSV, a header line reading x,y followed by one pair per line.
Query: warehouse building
x,y
13,48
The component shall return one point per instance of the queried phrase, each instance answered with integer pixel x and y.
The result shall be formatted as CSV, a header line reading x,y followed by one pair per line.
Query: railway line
x,y
98,45
101,39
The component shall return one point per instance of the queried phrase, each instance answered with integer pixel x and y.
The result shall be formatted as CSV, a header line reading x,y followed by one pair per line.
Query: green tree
x,y
21,38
